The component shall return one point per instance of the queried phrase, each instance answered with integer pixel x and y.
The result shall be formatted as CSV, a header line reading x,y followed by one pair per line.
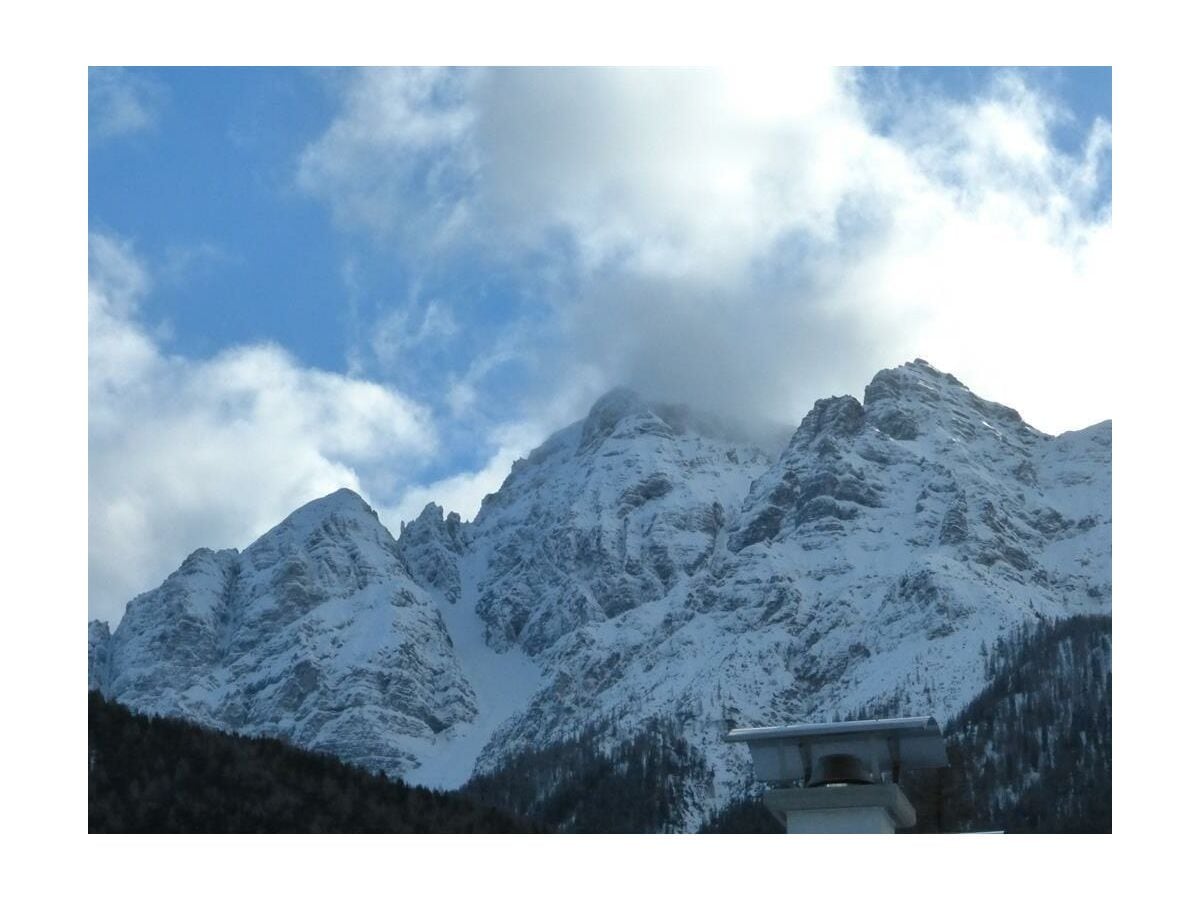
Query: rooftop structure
x,y
842,777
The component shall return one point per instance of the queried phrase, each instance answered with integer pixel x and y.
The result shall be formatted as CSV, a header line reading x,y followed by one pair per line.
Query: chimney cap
x,y
788,752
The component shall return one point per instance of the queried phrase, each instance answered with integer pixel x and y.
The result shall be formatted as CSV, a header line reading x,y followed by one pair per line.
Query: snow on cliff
x,y
642,562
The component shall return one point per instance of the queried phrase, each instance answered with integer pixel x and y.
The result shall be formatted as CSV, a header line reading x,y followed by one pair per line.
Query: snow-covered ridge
x,y
315,633
645,561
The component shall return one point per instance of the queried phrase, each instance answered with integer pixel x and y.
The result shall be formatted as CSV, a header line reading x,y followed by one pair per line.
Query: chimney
x,y
842,777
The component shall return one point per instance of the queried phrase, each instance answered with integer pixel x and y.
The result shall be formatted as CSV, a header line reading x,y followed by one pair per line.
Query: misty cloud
x,y
122,102
748,240
745,242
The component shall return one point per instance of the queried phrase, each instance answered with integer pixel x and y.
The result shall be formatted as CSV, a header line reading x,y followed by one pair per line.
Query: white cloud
x,y
749,239
746,241
122,102
528,426
405,329
461,493
464,492
212,452
394,157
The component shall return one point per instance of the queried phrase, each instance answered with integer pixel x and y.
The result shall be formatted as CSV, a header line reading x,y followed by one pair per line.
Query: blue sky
x,y
240,254
209,184
400,280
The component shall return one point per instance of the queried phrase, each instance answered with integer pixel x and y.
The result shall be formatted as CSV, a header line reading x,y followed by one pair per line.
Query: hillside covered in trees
x,y
148,774
1031,753
594,783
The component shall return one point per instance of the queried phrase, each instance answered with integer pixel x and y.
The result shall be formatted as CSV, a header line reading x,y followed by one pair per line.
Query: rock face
x,y
432,546
98,638
607,516
862,571
643,563
315,633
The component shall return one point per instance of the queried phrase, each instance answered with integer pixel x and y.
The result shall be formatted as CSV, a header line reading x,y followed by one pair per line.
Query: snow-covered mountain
x,y
643,563
316,633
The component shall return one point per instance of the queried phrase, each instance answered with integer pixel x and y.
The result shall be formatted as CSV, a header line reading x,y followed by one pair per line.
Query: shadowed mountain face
x,y
644,564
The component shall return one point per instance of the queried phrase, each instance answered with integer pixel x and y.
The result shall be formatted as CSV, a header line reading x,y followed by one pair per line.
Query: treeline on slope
x,y
595,783
1031,753
150,774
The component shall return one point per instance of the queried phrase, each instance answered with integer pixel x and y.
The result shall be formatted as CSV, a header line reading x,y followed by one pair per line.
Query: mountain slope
x,y
166,775
645,565
315,633
606,516
865,566
1032,752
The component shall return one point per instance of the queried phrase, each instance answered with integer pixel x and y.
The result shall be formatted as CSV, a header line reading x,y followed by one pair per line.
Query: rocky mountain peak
x,y
903,402
833,417
430,546
623,413
342,502
431,514
341,513
433,525
615,404
610,411
316,633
